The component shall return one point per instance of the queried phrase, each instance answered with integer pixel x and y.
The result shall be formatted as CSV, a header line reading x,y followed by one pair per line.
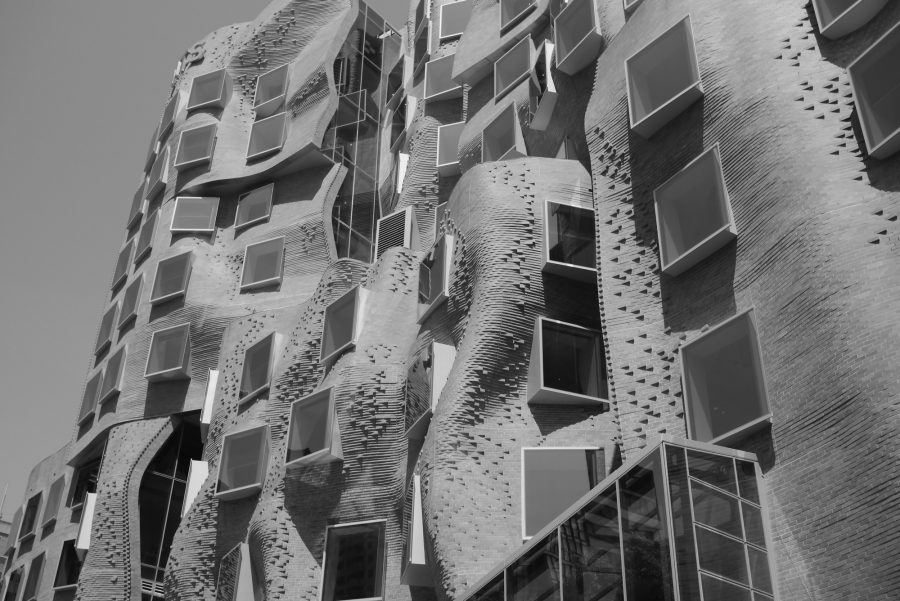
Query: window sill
x,y
554,396
242,492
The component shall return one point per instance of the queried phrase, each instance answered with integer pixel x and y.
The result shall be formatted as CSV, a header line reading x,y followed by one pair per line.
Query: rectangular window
x,y
397,229
152,150
242,467
171,280
434,276
170,354
591,551
425,381
314,435
266,136
553,478
86,524
195,214
89,399
112,381
121,271
693,214
535,574
875,82
69,568
84,482
543,88
569,241
130,301
54,500
354,562
33,582
195,146
254,206
145,238
159,174
513,67
454,17
724,387
13,585
271,90
448,145
512,12
577,36
263,264
104,335
209,91
30,516
663,79
343,323
567,365
422,46
502,139
838,18
257,370
439,84
137,207
168,116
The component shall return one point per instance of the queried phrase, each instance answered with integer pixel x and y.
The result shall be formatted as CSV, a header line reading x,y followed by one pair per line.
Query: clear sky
x,y
82,85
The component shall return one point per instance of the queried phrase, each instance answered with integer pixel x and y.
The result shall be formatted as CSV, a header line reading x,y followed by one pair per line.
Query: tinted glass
x,y
106,327
719,590
207,88
54,498
554,479
309,422
722,555
271,85
69,566
572,361
34,578
29,519
535,575
196,144
145,239
91,391
753,525
130,301
267,135
713,469
122,264
716,509
114,368
153,505
592,562
571,235
85,481
354,562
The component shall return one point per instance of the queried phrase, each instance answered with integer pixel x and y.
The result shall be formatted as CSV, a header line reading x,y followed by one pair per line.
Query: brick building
x,y
528,300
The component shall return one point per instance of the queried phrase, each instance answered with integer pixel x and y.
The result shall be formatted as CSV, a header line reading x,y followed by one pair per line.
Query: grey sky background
x,y
82,85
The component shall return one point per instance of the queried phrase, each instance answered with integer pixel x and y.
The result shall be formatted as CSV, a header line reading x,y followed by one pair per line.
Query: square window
x,y
724,387
168,117
195,214
425,381
448,144
69,568
838,18
577,36
30,516
554,478
254,206
567,365
439,84
130,301
663,79
34,578
693,214
543,95
242,468
257,370
513,67
453,18
502,139
195,146
512,12
54,500
171,280
89,399
145,238
84,482
314,434
121,272
397,229
343,323
159,174
112,380
208,91
434,276
354,562
137,207
104,336
875,81
13,584
271,90
569,241
266,136
170,354
263,264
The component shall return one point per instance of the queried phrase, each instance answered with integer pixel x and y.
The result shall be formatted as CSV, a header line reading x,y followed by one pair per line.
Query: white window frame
x,y
219,101
569,270
454,91
505,118
361,296
543,94
848,20
444,294
269,339
158,300
273,149
450,167
268,281
511,54
382,558
442,358
149,226
266,217
182,164
205,230
458,5
515,19
85,412
333,449
416,569
105,395
585,50
125,318
268,107
261,467
107,325
180,371
889,143
410,230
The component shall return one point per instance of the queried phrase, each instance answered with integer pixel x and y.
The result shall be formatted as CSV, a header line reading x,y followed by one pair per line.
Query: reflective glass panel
x,y
535,575
571,235
195,214
339,318
354,562
572,361
241,459
722,555
554,479
719,590
716,509
167,349
171,277
713,469
592,560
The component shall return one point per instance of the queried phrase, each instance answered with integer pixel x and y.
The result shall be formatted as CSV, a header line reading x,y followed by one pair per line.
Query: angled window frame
x,y
441,356
33,582
268,107
543,94
63,581
218,101
847,19
54,501
329,568
185,277
448,144
267,340
358,296
262,463
183,163
212,210
82,476
270,187
269,281
130,301
879,145
112,378
120,274
512,59
458,5
573,271
176,371
145,237
152,151
409,230
158,177
167,121
89,397
433,301
416,567
107,326
581,52
262,123
29,525
332,449
438,67
422,44
507,20
137,206
498,130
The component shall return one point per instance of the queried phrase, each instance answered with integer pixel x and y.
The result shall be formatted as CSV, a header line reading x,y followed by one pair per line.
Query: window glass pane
x,y
91,391
432,271
571,360
592,561
172,276
12,588
85,481
719,590
682,522
339,318
207,88
746,472
191,448
113,373
535,575
145,239
571,235
267,135
713,469
167,349
54,498
34,578
554,479
196,144
130,301
256,366
106,326
122,264
240,460
193,213
271,85
263,262
491,592
511,9
173,519
722,555
354,566
255,205
153,505
753,525
513,66
229,573
69,566
29,520
716,509
309,421
759,569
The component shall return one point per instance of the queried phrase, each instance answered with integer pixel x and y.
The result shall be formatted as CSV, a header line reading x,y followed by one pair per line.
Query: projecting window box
x,y
693,214
112,379
838,18
314,433
159,174
569,241
267,136
263,264
271,91
254,206
54,501
168,117
725,395
30,517
875,80
170,354
195,214
256,374
89,398
421,47
353,564
34,578
69,568
448,144
145,238
502,139
104,336
567,365
543,95
242,467
434,277
577,36
137,207
453,18
209,91
130,301
171,281
195,146
121,271
397,229
152,150
513,67
512,12
663,79
427,377
416,568
439,84
343,323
